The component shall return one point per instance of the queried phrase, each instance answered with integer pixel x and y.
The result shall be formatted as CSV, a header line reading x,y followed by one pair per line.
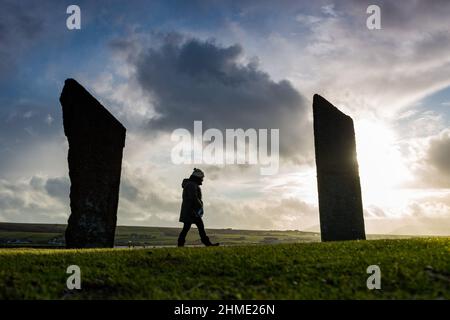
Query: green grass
x,y
410,269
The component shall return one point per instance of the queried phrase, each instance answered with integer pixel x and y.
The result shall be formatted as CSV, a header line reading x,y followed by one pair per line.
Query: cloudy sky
x,y
159,66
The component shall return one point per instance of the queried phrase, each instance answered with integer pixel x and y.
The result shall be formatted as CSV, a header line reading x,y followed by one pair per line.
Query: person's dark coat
x,y
192,200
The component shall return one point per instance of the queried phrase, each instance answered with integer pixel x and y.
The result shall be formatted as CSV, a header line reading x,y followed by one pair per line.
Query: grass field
x,y
410,269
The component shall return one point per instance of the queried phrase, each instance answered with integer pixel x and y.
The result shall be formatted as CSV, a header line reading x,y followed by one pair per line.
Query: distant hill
x,y
52,235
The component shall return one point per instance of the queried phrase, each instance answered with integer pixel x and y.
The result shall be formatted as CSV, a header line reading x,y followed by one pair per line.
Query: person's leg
x,y
183,233
201,230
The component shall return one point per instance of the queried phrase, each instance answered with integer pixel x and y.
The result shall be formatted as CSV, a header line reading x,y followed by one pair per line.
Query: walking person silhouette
x,y
192,208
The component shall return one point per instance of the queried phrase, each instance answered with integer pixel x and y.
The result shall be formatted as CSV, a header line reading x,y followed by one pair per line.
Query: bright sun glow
x,y
380,163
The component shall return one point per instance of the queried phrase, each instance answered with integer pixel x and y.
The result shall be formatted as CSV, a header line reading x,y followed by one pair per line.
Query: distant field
x,y
52,235
410,269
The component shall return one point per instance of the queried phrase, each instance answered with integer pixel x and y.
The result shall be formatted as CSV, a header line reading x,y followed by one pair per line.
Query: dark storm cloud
x,y
191,79
439,155
433,168
58,188
20,25
128,190
35,199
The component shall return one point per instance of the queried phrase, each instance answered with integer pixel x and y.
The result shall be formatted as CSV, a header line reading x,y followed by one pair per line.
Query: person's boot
x,y
208,243
181,243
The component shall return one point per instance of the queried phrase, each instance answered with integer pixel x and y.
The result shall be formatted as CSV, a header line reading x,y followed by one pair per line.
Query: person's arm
x,y
193,197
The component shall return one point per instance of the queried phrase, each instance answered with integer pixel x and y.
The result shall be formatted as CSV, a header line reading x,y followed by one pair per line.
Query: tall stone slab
x,y
340,204
96,141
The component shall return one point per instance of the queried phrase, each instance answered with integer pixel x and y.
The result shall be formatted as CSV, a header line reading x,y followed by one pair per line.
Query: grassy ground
x,y
414,268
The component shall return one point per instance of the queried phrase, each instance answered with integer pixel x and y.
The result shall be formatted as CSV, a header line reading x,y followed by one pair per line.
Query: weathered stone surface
x,y
96,141
340,204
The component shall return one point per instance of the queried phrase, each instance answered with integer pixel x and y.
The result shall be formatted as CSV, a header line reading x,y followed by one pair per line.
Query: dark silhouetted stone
x,y
96,141
340,204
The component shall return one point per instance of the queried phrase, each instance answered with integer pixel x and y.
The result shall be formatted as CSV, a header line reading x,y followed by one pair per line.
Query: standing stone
x,y
96,141
340,204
